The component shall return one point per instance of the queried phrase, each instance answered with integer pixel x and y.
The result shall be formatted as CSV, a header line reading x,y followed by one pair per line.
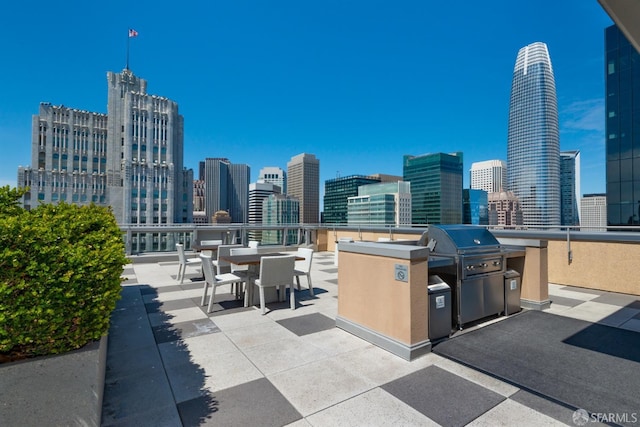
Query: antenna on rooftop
x,y
337,174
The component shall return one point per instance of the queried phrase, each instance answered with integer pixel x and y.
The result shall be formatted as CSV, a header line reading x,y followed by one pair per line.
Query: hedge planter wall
x,y
60,275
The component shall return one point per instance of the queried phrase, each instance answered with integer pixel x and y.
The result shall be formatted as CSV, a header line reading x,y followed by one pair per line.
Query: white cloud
x,y
586,115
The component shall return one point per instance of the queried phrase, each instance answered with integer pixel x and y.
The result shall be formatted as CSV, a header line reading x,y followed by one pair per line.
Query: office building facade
x,y
475,205
130,159
570,196
593,208
533,143
280,210
490,176
258,192
303,183
436,187
274,175
387,203
336,194
504,210
226,189
622,129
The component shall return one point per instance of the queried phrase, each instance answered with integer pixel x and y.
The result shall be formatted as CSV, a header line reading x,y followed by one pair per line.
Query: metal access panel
x,y
512,292
480,297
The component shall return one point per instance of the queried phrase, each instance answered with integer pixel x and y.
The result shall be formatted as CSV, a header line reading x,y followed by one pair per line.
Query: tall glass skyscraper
x,y
336,194
533,145
436,187
622,85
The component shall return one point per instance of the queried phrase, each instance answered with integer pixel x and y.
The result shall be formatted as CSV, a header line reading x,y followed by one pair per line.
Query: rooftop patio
x,y
170,363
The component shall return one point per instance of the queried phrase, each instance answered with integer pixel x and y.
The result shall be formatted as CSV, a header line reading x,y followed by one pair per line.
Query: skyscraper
x,y
240,175
490,176
303,183
533,147
436,187
622,104
475,206
274,175
384,203
226,189
504,209
130,159
258,192
593,212
336,194
280,209
199,216
570,187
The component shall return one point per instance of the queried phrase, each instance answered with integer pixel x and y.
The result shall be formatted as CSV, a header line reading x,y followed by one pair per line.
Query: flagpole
x,y
128,38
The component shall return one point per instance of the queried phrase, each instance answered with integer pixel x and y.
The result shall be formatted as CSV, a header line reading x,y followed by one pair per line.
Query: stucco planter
x,y
59,390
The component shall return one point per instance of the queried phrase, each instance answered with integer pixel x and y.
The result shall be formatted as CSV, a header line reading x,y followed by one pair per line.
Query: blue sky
x,y
357,83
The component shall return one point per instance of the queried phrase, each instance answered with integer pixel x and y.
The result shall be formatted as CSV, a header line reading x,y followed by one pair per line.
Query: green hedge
x,y
60,275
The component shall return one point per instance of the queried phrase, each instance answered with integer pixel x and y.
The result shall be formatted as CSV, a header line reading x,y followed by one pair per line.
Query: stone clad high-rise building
x,y
274,175
593,212
490,176
303,183
145,154
533,147
130,158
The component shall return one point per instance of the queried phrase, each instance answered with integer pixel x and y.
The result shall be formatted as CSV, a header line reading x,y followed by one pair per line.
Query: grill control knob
x,y
484,265
470,267
496,263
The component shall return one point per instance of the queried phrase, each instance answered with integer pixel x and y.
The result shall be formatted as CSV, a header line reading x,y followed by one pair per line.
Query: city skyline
x,y
356,84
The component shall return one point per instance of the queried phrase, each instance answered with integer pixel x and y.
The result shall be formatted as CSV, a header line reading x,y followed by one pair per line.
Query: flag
x,y
133,33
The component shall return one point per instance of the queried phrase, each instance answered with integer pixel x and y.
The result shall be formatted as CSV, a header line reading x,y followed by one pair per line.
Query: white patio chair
x,y
209,242
303,268
184,262
276,271
214,280
223,266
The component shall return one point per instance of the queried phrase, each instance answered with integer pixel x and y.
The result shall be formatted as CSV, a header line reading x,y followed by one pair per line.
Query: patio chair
x,y
303,268
213,280
184,262
276,271
223,266
209,242
253,243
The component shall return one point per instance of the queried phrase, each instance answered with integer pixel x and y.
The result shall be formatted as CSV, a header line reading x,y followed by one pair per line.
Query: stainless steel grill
x,y
476,275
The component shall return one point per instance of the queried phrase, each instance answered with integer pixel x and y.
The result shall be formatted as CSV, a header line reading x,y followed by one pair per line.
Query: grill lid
x,y
451,239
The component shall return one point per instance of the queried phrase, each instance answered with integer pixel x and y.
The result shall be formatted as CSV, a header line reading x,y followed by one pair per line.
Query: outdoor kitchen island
x,y
383,292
